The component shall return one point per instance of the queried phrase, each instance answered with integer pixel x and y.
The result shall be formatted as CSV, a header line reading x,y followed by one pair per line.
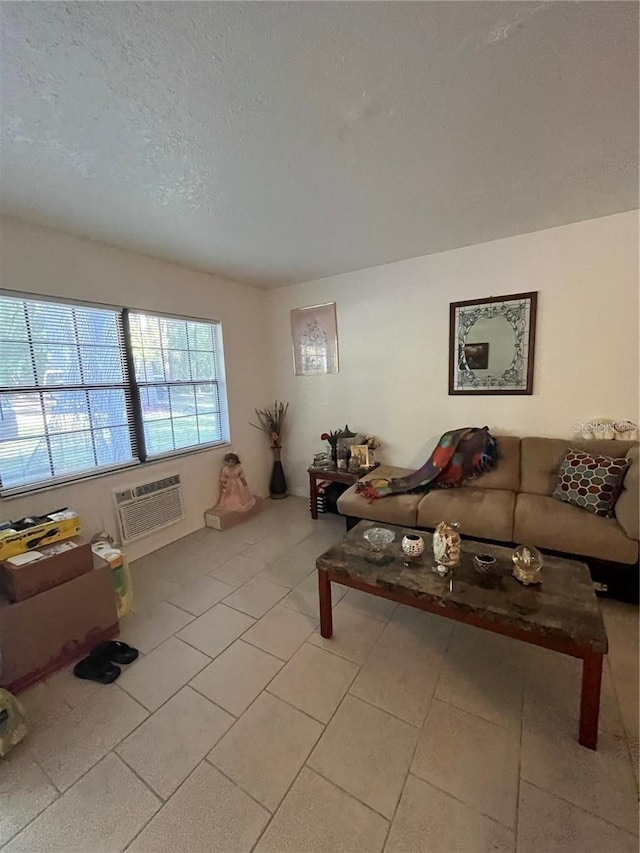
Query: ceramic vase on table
x,y
446,547
278,482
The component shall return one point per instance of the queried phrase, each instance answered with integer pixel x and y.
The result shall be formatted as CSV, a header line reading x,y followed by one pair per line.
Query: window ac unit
x,y
149,507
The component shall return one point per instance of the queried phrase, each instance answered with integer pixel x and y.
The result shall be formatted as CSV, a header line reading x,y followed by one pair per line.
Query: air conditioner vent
x,y
149,507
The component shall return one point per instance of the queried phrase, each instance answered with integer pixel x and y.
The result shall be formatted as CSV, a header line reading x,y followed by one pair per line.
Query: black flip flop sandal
x,y
115,651
93,669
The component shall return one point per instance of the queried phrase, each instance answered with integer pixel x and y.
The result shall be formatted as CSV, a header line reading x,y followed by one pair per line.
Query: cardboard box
x,y
59,564
48,631
224,519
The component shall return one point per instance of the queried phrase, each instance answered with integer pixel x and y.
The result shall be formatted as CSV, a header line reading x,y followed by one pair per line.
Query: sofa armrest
x,y
627,506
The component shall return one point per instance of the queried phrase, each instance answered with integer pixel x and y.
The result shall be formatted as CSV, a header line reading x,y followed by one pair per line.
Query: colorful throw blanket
x,y
459,455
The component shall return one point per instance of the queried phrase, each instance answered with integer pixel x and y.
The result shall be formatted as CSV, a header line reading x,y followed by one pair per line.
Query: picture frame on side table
x,y
360,453
492,344
314,332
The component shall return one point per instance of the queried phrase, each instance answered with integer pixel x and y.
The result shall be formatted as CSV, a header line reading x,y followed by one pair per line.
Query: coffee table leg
x,y
324,592
590,700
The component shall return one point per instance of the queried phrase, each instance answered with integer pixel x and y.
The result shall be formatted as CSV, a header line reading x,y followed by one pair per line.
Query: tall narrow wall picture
x,y
314,332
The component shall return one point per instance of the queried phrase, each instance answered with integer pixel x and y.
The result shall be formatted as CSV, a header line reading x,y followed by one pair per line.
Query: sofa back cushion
x,y
541,458
626,509
506,475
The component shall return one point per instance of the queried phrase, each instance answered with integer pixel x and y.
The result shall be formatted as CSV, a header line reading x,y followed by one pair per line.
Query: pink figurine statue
x,y
234,492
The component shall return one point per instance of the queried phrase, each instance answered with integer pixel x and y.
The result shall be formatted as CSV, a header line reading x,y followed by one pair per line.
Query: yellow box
x,y
61,525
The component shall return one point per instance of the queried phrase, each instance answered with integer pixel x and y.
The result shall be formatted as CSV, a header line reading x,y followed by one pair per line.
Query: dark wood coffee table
x,y
562,613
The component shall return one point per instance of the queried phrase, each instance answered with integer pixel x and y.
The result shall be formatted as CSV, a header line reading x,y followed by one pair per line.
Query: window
x,y
86,389
176,373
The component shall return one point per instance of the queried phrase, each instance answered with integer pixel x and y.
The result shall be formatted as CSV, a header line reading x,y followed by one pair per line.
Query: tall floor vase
x,y
278,482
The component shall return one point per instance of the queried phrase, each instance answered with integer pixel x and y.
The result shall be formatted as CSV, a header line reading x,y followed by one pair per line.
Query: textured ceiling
x,y
280,142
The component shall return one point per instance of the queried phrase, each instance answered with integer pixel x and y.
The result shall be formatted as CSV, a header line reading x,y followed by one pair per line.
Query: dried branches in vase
x,y
271,422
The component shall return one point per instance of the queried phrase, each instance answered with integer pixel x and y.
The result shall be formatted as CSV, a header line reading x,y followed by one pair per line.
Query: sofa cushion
x,y
506,474
626,509
395,509
542,521
591,481
485,513
541,458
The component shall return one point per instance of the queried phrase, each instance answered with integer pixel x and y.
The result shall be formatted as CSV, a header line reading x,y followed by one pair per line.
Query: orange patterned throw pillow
x,y
591,482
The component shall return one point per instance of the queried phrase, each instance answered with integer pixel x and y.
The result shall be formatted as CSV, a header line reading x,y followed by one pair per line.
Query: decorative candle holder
x,y
483,563
413,545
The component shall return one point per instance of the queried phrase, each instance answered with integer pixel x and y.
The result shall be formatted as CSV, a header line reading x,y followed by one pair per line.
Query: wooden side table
x,y
333,475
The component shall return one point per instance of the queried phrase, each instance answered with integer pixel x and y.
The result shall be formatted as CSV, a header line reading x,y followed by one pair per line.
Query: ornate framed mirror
x,y
491,345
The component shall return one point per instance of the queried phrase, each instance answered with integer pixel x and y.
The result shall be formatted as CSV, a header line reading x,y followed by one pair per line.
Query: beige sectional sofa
x,y
513,503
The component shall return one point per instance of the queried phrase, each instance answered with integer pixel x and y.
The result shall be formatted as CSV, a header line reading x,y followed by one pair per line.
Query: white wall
x,y
47,262
393,326
393,339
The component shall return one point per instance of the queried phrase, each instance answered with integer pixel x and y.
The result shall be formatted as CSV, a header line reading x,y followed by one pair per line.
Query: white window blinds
x,y
176,367
86,389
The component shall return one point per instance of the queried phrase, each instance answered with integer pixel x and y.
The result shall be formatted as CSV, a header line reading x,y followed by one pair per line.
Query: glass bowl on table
x,y
378,538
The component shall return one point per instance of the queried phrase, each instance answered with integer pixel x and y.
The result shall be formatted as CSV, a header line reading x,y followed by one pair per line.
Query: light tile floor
x,y
240,728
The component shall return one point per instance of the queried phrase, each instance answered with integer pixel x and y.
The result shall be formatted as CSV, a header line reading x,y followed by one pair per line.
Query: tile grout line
x,y
138,776
516,828
236,716
260,649
60,793
204,758
43,768
252,703
390,713
305,764
186,683
349,794
582,809
217,655
284,796
627,739
244,612
46,728
151,713
326,726
240,788
359,665
415,747
471,806
163,803
306,713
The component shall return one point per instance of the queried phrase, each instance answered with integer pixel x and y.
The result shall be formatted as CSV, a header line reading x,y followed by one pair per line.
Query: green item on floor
x,y
13,722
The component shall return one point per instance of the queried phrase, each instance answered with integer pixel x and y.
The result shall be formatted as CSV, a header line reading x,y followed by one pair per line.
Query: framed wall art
x,y
314,332
491,345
